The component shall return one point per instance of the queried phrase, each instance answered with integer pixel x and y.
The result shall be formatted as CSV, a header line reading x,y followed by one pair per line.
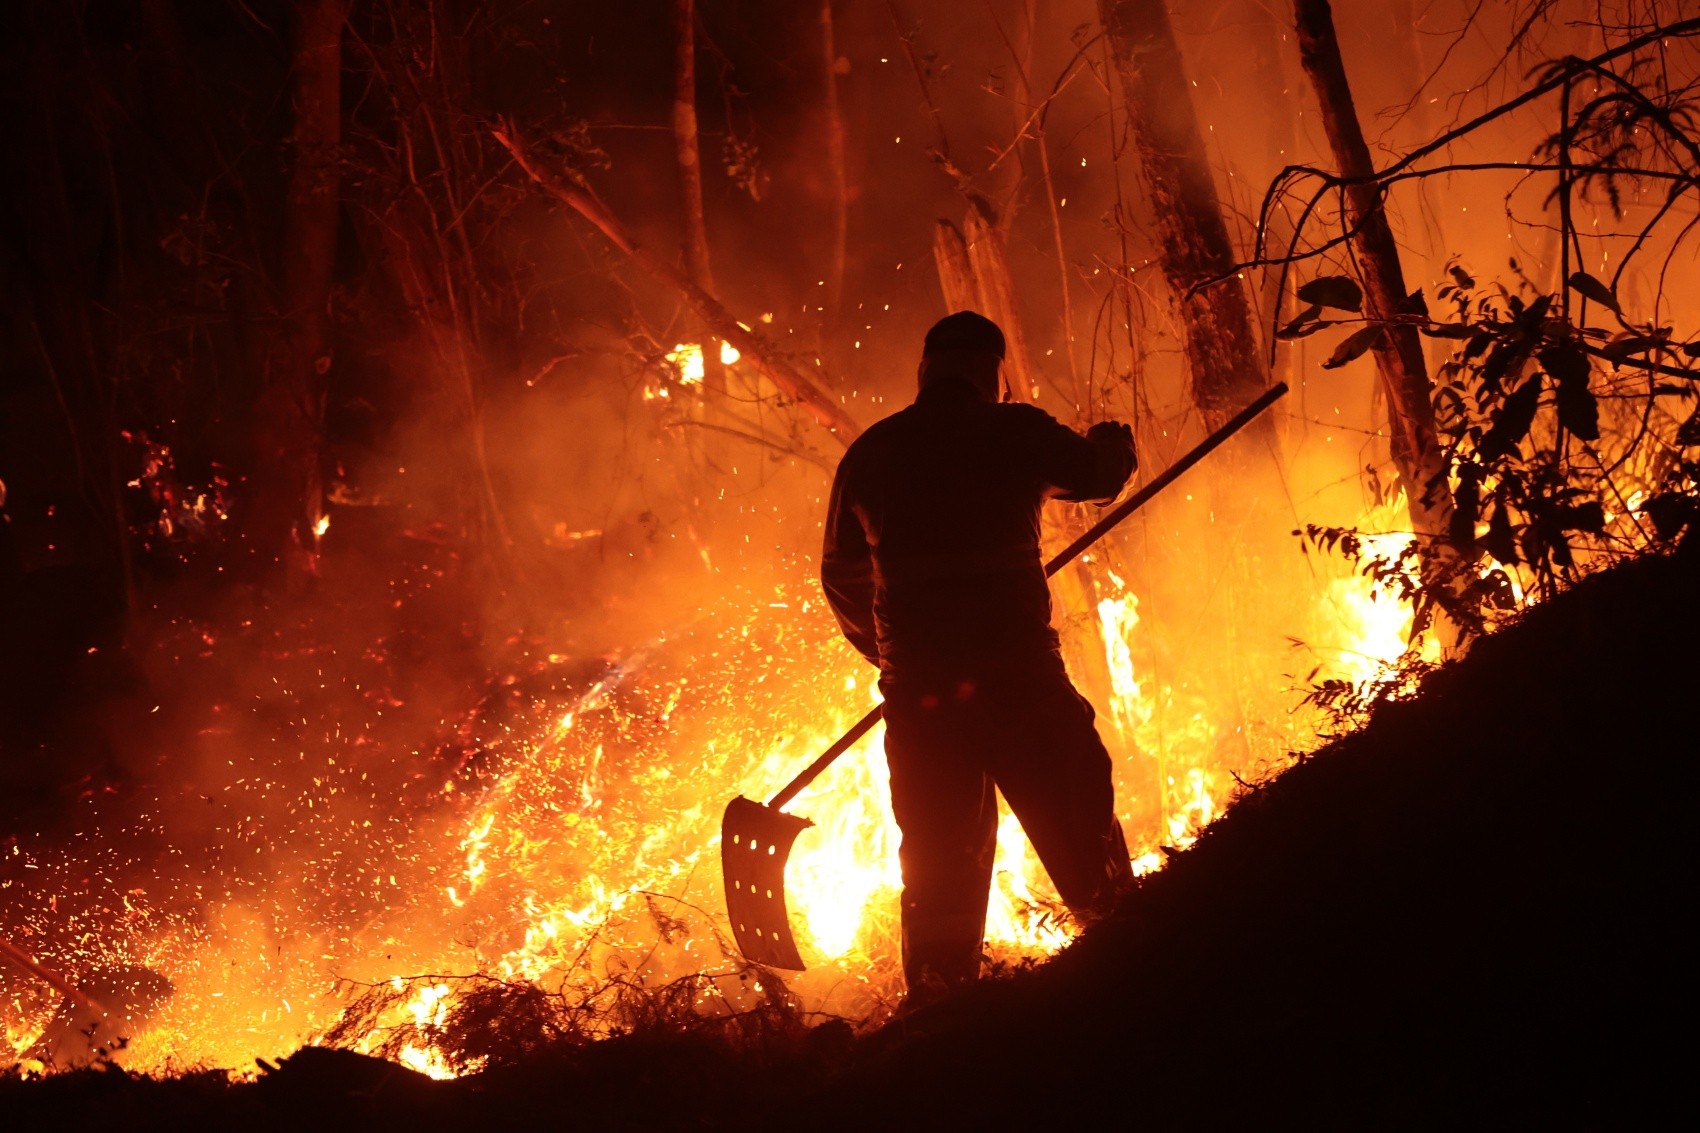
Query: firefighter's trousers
x,y
949,743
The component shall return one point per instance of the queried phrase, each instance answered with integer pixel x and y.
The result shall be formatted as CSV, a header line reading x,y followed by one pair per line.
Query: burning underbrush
x,y
1445,914
398,843
359,819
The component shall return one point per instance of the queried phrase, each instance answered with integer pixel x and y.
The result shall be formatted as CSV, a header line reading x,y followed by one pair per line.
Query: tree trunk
x,y
1026,111
956,274
1409,67
289,499
688,153
1225,365
837,178
990,260
1398,353
1266,32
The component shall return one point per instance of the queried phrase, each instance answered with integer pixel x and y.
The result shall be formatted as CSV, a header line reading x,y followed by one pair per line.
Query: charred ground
x,y
1468,911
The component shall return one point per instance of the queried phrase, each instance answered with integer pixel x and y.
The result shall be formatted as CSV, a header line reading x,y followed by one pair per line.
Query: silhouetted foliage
x,y
1568,444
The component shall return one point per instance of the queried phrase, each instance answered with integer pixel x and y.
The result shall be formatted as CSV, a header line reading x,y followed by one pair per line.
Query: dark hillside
x,y
1468,913
1471,908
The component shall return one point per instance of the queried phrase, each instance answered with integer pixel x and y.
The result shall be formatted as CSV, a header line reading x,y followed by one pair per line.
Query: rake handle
x,y
1061,559
52,978
845,742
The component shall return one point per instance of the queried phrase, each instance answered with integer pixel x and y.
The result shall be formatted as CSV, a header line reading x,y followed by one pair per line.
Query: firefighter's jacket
x,y
931,560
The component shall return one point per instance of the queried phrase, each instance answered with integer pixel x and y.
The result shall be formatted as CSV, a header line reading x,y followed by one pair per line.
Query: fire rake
x,y
755,839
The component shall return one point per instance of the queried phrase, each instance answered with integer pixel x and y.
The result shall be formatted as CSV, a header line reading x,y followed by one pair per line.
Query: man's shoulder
x,y
880,433
1024,415
867,452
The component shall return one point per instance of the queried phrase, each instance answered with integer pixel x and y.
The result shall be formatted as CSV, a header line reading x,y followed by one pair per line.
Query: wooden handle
x,y
25,961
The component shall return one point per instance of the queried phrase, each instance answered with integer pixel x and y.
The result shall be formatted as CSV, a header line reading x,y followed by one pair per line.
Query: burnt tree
x,y
1225,365
687,152
1397,347
289,497
836,171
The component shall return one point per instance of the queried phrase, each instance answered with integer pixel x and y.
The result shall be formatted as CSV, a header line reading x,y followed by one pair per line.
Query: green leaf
x,y
1354,345
1565,362
1670,513
1303,323
1447,330
1461,277
1505,360
1620,348
1479,342
1500,540
1535,314
1511,420
1689,433
1595,290
1335,291
1466,504
1590,517
1578,410
1531,545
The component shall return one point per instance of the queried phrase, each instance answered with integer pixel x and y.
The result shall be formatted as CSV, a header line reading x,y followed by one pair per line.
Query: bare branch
x,y
819,404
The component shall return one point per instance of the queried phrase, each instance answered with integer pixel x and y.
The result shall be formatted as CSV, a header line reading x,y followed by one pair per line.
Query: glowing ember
x,y
687,359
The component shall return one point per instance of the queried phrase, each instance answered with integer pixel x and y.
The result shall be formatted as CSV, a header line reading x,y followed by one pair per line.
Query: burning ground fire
x,y
576,846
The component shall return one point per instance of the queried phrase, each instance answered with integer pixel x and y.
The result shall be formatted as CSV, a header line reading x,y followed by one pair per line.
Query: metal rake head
x,y
755,841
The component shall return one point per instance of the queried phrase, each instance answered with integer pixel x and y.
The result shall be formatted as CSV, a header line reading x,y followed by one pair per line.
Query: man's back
x,y
933,529
932,565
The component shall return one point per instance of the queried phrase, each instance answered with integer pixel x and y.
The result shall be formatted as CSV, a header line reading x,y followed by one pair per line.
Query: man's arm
x,y
1081,468
847,569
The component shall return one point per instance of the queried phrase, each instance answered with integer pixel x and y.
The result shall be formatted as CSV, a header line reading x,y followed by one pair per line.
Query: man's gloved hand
x,y
1117,433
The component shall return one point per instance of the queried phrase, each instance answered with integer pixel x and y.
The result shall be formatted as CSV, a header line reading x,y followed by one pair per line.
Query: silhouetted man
x,y
932,566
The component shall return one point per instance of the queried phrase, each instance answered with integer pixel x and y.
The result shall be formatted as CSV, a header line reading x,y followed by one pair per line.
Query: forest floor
x,y
1468,912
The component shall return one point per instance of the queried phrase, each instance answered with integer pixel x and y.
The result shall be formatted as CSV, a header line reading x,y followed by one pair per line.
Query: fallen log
x,y
820,404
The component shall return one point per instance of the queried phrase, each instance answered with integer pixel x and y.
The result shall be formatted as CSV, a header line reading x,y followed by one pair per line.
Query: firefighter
x,y
932,566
